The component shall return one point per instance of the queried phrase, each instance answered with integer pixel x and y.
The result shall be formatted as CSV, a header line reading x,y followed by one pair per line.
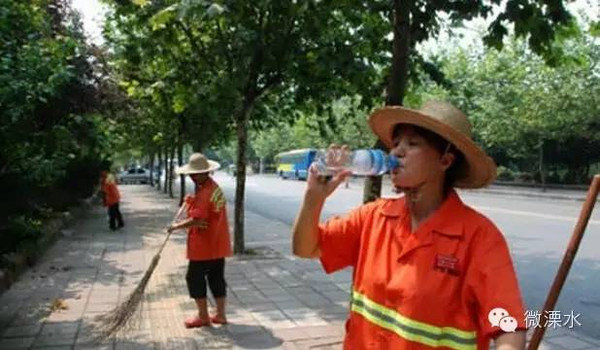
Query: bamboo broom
x,y
113,321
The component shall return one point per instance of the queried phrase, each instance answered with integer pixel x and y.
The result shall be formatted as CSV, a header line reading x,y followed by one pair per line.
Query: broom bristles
x,y
120,316
115,320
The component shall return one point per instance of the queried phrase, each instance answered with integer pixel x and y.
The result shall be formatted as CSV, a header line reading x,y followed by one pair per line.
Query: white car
x,y
135,175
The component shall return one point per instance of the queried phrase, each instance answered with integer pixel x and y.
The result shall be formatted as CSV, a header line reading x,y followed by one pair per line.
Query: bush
x,y
82,176
594,170
18,231
505,174
524,177
553,177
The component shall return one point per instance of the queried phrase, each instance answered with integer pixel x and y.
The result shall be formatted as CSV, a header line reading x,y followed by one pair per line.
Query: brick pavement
x,y
275,300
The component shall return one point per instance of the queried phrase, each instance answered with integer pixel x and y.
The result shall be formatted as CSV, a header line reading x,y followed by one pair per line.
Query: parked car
x,y
135,175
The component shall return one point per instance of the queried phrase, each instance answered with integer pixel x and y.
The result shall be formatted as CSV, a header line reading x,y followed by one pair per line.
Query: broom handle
x,y
183,207
568,258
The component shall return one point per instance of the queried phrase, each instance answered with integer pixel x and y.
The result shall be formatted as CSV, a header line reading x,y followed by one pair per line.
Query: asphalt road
x,y
537,230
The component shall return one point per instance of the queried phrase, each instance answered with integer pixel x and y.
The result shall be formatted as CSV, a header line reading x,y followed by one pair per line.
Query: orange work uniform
x,y
432,288
213,242
111,192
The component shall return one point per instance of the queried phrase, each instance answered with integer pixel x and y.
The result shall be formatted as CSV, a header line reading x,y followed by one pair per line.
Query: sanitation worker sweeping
x,y
207,246
208,241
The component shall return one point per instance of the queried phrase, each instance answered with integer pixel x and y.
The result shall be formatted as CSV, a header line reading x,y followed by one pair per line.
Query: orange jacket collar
x,y
438,222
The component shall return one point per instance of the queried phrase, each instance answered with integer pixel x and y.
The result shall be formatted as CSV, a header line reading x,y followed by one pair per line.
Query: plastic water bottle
x,y
360,162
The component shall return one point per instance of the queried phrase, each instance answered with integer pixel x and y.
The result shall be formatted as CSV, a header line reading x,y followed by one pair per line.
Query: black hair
x,y
441,145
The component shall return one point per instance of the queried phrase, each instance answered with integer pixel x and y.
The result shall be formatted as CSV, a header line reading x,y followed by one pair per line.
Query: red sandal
x,y
196,322
218,320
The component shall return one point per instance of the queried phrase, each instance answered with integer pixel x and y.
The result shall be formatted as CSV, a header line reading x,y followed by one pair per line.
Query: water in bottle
x,y
360,162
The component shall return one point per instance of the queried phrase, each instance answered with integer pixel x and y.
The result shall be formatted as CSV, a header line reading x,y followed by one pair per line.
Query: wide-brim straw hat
x,y
198,164
477,170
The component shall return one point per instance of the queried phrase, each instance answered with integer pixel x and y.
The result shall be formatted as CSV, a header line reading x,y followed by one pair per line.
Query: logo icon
x,y
499,317
508,324
496,315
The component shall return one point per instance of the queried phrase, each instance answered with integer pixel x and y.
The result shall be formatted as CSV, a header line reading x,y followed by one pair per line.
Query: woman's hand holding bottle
x,y
321,184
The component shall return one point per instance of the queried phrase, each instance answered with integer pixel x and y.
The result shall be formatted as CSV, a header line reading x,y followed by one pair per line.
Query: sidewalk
x,y
512,190
275,300
533,192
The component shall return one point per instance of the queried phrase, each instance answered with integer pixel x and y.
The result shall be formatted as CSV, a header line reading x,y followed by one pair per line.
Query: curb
x,y
27,257
530,195
503,189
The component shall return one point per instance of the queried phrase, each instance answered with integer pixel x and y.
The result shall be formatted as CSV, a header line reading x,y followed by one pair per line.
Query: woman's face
x,y
420,162
199,179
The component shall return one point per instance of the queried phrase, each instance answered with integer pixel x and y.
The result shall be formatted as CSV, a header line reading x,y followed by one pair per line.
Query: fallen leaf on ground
x,y
58,304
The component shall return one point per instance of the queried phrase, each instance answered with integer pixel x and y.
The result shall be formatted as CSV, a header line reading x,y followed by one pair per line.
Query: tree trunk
x,y
397,81
180,163
171,168
242,139
541,169
152,156
261,167
167,167
398,78
160,167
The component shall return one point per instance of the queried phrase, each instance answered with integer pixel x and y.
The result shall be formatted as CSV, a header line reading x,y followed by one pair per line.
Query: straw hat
x,y
198,164
478,170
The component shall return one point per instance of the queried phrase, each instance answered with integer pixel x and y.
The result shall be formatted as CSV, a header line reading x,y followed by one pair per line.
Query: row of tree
x,y
52,139
199,71
537,119
538,122
193,72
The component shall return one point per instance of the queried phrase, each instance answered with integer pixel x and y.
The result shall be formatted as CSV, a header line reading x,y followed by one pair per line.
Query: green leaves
x,y
518,104
187,11
163,17
214,10
140,3
595,29
179,101
540,23
344,123
48,88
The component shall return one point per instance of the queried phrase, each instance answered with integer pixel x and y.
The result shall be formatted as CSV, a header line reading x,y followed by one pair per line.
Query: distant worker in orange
x,y
429,272
208,241
110,199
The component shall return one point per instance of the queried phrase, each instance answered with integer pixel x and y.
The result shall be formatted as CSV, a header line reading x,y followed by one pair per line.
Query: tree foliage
x,y
537,115
212,69
240,61
50,140
523,111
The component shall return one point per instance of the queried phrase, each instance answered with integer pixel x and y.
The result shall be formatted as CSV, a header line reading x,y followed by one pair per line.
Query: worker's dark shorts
x,y
201,271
